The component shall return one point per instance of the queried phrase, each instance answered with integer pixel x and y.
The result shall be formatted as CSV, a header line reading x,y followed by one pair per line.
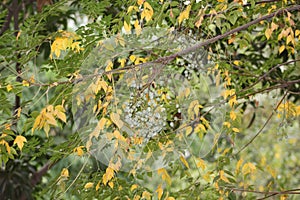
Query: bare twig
x,y
268,193
267,73
262,128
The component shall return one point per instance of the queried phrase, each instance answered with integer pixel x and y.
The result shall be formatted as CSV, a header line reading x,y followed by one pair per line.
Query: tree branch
x,y
7,21
167,59
268,193
37,176
264,125
244,5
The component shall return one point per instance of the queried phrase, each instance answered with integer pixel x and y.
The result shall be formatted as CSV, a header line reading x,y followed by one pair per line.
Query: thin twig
x,y
262,128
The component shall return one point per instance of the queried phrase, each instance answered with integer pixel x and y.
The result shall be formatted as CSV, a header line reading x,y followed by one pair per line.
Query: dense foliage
x,y
149,99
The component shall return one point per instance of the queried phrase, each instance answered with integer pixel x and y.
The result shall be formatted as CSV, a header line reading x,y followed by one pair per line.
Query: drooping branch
x,y
222,36
167,59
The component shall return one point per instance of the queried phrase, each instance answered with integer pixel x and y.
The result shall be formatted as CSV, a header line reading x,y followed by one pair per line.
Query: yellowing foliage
x,y
115,118
147,12
127,27
164,175
184,161
48,116
66,40
88,185
79,150
138,29
184,14
20,141
287,110
248,168
109,174
159,191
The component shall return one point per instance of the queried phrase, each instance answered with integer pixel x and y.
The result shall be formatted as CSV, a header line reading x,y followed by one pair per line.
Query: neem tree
x,y
150,99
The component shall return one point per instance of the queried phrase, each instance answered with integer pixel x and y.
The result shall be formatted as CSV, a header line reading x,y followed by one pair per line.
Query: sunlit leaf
x,y
20,141
88,185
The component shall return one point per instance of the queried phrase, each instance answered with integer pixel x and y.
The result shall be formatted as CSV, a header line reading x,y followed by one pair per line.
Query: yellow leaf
x,y
140,2
164,175
238,165
18,35
227,124
132,58
273,26
183,160
118,136
289,39
109,174
271,171
268,33
20,141
37,122
88,185
232,101
136,197
111,184
159,192
236,130
200,17
102,123
146,195
137,27
131,8
297,32
3,142
133,187
232,115
228,93
109,68
19,112
62,116
115,118
98,185
50,118
201,163
236,62
206,176
25,83
64,173
223,177
147,12
248,168
231,39
188,130
9,87
122,61
200,128
170,198
193,109
281,49
46,129
127,27
79,150
185,14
